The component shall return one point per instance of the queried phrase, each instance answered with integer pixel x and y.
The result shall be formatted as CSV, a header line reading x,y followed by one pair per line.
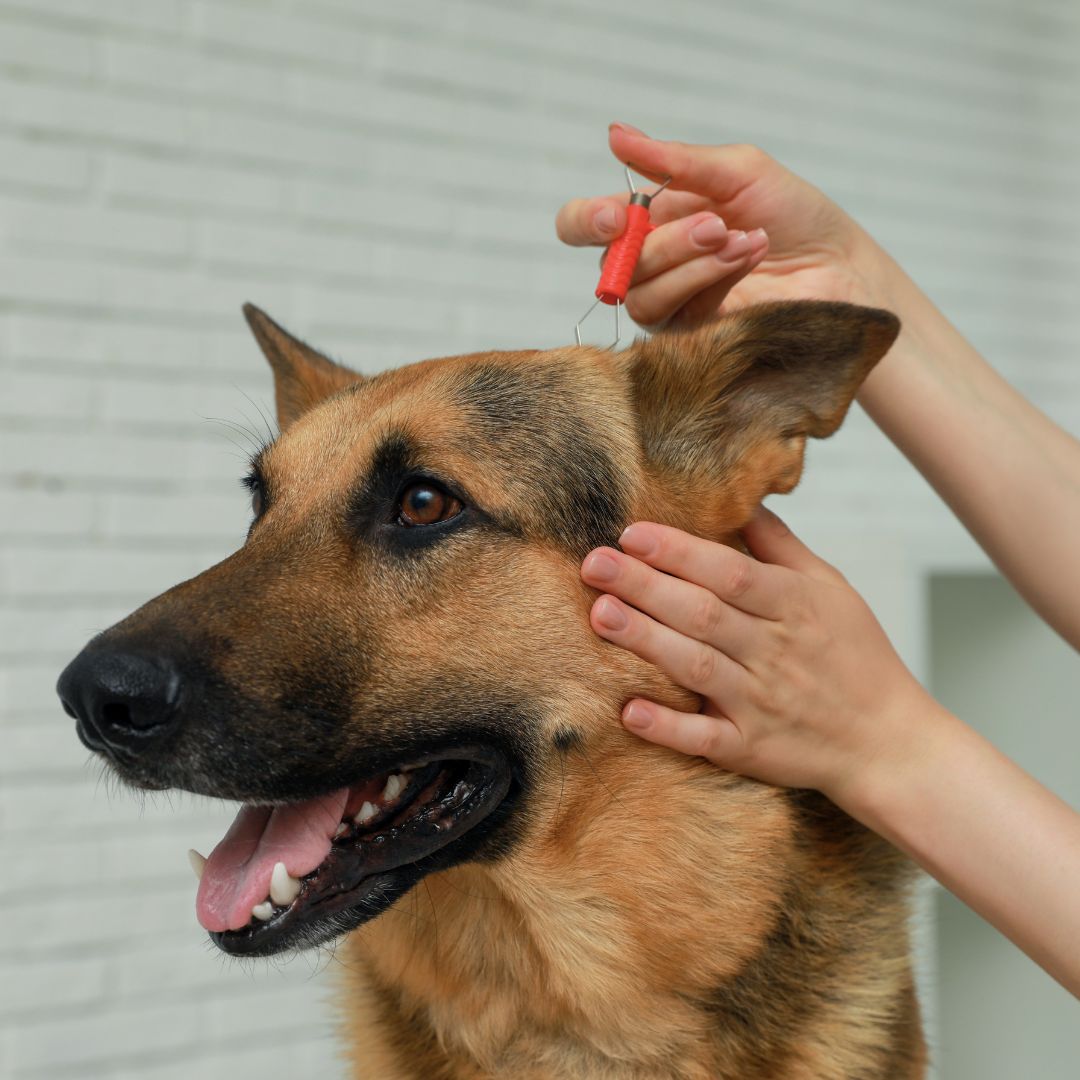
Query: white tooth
x,y
263,911
198,862
365,813
340,831
283,888
395,785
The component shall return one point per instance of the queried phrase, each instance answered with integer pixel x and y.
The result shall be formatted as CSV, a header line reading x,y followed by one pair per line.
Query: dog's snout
x,y
120,699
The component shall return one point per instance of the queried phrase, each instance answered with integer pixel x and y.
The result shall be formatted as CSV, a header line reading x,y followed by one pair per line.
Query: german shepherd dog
x,y
396,678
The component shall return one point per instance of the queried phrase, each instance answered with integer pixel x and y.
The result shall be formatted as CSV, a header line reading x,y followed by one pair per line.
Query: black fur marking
x,y
801,968
567,739
294,730
373,498
576,493
373,506
767,1005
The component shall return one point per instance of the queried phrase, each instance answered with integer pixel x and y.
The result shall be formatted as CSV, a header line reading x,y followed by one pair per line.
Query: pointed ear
x,y
302,376
731,405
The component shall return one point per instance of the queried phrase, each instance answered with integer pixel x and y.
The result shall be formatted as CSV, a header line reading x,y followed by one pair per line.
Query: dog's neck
x,y
672,921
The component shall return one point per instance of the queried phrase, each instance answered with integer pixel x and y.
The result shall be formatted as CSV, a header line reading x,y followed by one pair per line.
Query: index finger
x,y
722,172
751,586
576,222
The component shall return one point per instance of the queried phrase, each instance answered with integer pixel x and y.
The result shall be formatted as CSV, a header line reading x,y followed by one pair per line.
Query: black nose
x,y
121,700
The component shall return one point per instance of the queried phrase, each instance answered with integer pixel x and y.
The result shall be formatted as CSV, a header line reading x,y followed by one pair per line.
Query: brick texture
x,y
382,178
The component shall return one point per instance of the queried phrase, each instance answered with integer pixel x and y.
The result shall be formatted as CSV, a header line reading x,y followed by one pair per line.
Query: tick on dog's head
x,y
386,671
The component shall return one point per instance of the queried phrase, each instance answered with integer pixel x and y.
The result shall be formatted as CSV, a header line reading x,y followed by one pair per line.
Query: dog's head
x,y
394,670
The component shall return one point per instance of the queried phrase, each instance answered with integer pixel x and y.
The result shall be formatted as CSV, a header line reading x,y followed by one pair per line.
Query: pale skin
x,y
801,686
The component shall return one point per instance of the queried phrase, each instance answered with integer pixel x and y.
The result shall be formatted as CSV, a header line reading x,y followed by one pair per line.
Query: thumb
x,y
771,541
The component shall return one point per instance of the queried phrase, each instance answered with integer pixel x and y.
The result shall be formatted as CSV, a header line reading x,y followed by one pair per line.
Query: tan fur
x,y
653,916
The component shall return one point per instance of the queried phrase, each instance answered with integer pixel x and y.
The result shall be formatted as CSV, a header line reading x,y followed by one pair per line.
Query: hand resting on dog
x,y
801,687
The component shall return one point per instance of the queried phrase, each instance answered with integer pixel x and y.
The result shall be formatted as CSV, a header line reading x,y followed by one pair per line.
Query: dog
x,y
396,678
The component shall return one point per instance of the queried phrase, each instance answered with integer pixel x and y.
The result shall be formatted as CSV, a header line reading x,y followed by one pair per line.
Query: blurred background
x,y
382,178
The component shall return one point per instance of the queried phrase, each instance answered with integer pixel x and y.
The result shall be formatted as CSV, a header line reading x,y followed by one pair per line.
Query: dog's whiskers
x,y
600,780
272,431
255,441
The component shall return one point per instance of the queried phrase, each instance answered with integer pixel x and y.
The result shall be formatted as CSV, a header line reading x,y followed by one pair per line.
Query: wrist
x,y
911,732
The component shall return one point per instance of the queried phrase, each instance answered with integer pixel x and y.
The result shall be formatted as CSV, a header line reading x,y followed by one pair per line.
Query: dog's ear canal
x,y
302,376
727,409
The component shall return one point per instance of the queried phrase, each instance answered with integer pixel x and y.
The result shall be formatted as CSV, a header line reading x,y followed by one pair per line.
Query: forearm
x,y
991,834
1008,472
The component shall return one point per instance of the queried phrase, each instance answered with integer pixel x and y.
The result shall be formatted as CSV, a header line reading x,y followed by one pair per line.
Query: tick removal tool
x,y
623,254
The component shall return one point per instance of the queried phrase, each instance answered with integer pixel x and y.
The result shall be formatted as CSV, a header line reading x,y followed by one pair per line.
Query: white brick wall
x,y
382,177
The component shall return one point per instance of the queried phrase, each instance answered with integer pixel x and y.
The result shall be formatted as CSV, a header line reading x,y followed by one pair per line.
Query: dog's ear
x,y
302,376
728,408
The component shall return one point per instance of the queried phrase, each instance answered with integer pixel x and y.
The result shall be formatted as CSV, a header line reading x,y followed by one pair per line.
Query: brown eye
x,y
425,503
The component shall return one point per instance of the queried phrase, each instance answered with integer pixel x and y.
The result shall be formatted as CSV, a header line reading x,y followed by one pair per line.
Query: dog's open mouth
x,y
304,872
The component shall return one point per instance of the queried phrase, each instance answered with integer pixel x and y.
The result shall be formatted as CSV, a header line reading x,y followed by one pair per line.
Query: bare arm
x,y
989,832
1007,471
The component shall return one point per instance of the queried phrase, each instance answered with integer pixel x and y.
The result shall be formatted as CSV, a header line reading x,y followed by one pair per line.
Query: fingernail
x,y
709,233
737,246
601,567
637,539
606,220
758,239
637,715
610,615
628,128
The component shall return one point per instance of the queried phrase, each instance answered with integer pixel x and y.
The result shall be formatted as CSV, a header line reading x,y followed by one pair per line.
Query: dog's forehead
x,y
510,428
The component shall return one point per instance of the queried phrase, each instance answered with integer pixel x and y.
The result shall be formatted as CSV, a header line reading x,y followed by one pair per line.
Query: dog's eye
x,y
425,503
253,482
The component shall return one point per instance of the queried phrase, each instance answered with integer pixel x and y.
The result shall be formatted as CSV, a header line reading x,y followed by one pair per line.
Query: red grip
x,y
623,256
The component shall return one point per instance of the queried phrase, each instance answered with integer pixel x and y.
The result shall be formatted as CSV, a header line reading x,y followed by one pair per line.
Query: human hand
x,y
729,210
800,685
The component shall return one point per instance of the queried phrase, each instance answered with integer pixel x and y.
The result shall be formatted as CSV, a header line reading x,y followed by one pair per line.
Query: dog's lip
x,y
453,792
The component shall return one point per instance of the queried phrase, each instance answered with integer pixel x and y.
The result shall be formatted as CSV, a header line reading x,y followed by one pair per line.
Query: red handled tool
x,y
623,254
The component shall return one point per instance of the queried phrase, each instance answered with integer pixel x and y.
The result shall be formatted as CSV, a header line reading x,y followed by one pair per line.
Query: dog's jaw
x,y
303,873
556,955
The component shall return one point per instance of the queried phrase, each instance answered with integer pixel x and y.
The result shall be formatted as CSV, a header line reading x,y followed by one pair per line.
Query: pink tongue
x,y
237,874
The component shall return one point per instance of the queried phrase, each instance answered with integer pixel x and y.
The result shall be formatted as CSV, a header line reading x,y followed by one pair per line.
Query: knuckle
x,y
741,577
701,667
779,648
749,156
704,617
709,743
